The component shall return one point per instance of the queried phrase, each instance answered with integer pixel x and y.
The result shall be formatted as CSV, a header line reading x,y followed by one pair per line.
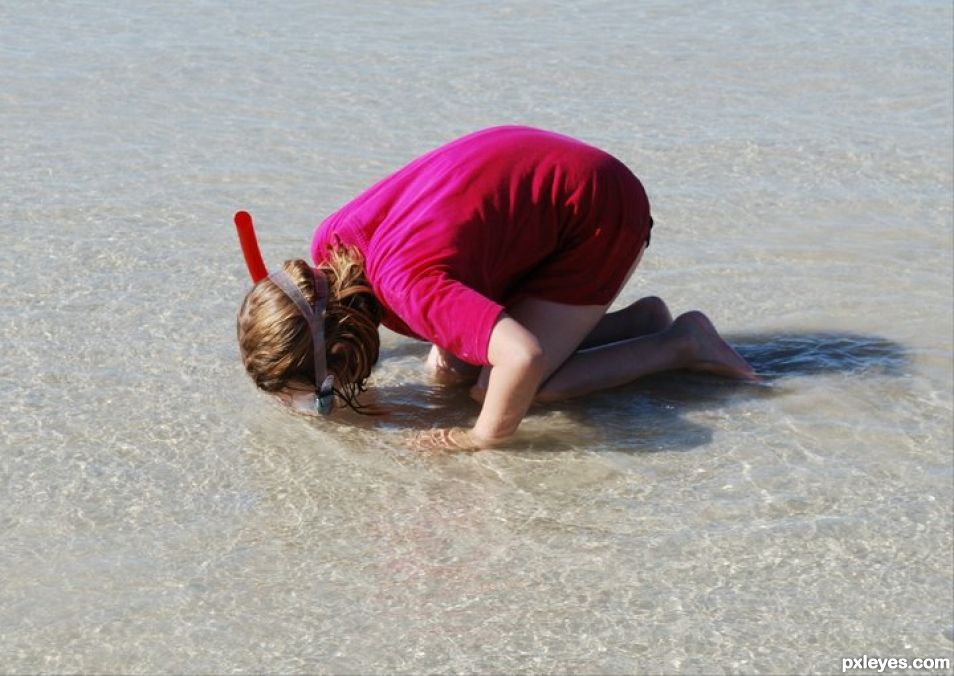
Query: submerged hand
x,y
449,439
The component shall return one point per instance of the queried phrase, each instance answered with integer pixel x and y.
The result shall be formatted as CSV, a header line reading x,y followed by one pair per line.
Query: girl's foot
x,y
707,351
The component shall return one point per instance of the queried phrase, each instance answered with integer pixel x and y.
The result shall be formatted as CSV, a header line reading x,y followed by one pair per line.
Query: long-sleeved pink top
x,y
456,235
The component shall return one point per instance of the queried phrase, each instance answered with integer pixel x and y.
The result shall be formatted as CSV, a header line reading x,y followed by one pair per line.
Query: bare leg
x,y
558,327
645,316
690,343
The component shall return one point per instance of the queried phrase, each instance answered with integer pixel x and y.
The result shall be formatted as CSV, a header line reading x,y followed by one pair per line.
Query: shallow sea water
x,y
157,515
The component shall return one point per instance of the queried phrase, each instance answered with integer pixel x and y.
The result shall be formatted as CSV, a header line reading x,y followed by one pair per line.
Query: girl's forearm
x,y
518,367
509,395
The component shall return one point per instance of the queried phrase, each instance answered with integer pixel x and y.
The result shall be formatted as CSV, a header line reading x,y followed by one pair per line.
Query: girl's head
x,y
275,341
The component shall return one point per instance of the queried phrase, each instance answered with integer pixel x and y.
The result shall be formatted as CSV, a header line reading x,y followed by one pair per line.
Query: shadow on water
x,y
776,356
647,415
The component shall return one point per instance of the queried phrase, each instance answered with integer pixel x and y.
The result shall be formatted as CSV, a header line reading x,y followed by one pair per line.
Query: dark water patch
x,y
650,414
783,355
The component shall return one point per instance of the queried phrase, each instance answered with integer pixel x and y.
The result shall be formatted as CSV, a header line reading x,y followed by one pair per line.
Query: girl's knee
x,y
653,304
651,313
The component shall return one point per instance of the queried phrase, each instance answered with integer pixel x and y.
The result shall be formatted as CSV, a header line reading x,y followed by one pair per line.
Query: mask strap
x,y
315,316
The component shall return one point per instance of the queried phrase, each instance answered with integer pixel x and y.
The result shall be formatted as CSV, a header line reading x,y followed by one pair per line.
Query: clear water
x,y
156,515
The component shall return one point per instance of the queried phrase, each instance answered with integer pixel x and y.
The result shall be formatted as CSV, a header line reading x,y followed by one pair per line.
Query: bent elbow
x,y
528,357
534,361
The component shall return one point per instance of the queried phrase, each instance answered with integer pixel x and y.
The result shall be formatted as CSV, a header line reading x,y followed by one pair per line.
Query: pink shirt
x,y
453,236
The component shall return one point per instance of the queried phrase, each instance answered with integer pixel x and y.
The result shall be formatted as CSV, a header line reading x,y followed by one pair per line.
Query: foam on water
x,y
156,515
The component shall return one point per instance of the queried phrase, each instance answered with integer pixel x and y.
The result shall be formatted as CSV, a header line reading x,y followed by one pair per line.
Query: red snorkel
x,y
313,314
253,255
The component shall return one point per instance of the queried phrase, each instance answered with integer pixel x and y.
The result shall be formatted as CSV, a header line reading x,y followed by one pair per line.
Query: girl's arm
x,y
458,318
518,365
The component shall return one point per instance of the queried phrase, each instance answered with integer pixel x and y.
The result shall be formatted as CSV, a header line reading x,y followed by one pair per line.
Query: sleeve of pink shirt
x,y
440,309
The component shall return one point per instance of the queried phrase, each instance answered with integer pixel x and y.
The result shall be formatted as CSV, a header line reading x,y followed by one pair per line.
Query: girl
x,y
504,249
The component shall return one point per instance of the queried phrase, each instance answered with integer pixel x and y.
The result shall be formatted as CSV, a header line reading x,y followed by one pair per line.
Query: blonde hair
x,y
275,341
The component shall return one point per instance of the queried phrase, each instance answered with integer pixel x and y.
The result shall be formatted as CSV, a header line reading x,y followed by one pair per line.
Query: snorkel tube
x,y
253,255
313,314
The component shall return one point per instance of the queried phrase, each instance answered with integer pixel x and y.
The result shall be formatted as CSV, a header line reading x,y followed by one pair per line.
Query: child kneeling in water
x,y
504,249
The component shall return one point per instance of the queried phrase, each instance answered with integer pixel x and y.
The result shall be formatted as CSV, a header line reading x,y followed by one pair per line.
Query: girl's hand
x,y
453,439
